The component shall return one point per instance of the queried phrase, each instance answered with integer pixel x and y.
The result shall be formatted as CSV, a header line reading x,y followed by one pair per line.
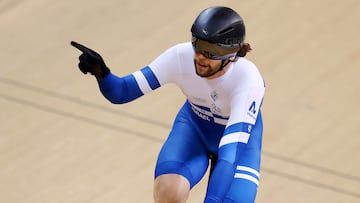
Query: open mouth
x,y
201,66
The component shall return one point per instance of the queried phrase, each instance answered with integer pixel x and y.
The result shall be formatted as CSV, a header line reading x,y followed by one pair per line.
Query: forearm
x,y
119,90
220,181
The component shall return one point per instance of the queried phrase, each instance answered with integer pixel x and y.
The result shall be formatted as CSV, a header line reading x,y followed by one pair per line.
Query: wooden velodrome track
x,y
61,141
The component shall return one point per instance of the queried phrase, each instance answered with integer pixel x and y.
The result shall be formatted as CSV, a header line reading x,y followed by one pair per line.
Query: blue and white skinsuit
x,y
220,116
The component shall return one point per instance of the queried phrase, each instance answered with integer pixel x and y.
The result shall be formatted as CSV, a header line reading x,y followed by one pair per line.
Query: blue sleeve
x,y
220,181
223,173
119,90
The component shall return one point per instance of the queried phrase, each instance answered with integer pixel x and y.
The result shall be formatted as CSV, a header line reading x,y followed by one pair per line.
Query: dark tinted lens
x,y
212,50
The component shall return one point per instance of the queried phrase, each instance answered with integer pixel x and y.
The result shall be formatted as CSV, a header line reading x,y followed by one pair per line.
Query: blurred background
x,y
61,141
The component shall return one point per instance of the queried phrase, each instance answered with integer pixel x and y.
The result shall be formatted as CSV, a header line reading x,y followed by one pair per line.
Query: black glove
x,y
91,62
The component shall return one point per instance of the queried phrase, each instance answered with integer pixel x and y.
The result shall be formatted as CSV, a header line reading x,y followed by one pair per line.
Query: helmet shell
x,y
221,25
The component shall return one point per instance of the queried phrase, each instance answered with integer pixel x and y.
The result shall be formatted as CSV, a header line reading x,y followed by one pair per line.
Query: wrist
x,y
104,72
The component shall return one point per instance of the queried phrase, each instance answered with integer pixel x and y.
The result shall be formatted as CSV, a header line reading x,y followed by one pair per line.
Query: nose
x,y
199,55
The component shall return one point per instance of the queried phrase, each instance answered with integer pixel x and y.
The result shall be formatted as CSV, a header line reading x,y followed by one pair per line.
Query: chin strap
x,y
224,63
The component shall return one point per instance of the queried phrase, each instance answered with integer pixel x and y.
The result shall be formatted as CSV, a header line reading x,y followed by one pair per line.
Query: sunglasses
x,y
212,50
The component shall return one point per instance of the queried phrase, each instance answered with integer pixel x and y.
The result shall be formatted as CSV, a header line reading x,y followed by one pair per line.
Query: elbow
x,y
116,100
113,101
113,95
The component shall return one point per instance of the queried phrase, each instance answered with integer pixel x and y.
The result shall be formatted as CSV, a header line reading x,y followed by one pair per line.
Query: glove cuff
x,y
104,72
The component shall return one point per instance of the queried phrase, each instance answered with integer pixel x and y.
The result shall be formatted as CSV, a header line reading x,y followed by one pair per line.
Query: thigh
x,y
183,153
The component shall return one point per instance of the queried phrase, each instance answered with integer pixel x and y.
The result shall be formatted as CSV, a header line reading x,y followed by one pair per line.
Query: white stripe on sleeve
x,y
142,82
248,169
234,137
247,177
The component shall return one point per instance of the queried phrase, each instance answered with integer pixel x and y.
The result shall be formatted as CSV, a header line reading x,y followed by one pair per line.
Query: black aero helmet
x,y
220,25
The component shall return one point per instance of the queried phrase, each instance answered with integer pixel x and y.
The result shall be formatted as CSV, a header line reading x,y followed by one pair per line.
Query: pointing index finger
x,y
82,48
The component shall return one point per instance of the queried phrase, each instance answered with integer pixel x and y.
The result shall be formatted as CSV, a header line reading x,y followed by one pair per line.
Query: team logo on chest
x,y
214,108
214,95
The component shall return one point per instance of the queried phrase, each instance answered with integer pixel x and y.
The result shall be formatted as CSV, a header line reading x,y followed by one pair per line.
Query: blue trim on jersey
x,y
239,127
219,116
150,77
201,107
209,110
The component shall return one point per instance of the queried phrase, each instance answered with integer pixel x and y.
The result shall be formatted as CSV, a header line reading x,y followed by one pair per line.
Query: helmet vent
x,y
226,30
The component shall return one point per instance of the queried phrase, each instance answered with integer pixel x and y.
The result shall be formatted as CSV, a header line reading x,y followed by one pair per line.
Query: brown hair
x,y
245,48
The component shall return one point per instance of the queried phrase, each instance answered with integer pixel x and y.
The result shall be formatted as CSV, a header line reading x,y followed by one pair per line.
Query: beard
x,y
205,71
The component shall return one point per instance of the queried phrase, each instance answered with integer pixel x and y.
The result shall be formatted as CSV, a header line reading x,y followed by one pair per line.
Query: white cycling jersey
x,y
231,98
